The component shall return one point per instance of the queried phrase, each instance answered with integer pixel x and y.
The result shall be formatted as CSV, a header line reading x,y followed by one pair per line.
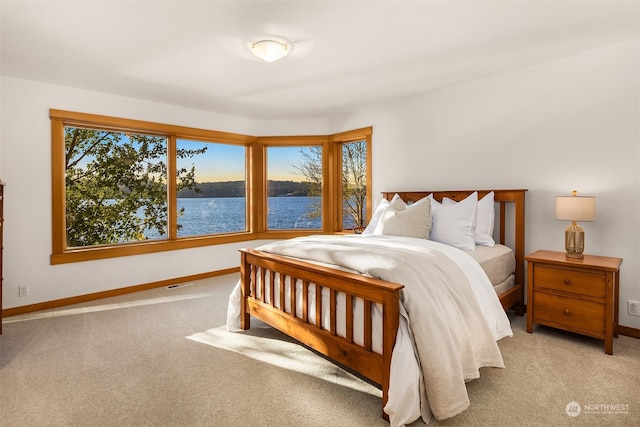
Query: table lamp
x,y
575,208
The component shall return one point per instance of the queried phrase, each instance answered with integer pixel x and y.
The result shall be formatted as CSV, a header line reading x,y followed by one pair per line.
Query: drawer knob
x,y
567,281
567,312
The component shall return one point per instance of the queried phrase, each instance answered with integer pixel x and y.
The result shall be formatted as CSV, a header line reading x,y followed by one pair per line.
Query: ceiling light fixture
x,y
269,50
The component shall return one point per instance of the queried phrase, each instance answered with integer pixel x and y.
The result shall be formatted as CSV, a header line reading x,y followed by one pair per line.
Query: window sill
x,y
147,247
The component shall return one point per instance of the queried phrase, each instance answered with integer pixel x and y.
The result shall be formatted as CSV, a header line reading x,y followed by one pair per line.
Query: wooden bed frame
x,y
260,269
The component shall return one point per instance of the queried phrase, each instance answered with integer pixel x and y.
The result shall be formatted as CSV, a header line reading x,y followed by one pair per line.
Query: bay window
x,y
124,187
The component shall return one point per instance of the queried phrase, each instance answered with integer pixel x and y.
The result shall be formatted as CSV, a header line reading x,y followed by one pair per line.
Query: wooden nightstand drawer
x,y
567,313
575,281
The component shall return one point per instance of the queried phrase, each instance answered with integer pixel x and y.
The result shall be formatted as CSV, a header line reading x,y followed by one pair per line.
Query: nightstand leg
x,y
530,298
616,303
611,311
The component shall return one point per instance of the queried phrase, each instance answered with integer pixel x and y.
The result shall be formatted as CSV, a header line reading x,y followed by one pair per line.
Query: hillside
x,y
237,189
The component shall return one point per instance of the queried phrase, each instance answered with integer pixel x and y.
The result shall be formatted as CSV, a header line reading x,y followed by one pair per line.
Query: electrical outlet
x,y
633,308
23,290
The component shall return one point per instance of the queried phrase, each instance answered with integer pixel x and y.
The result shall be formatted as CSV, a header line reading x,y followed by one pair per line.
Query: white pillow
x,y
485,220
400,219
380,209
454,224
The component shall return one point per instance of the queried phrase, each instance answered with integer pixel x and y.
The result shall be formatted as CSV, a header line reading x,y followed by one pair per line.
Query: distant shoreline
x,y
238,189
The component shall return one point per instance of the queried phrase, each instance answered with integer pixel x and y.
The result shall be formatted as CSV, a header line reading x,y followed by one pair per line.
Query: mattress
x,y
498,262
504,286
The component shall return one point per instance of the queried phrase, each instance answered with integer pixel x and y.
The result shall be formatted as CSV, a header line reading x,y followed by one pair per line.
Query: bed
x,y
355,316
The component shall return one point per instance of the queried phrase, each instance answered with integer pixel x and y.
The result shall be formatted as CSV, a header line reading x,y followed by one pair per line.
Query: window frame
x,y
338,140
246,173
256,184
260,205
61,254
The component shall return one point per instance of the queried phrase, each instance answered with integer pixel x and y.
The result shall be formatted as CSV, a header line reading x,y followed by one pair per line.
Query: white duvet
x,y
451,316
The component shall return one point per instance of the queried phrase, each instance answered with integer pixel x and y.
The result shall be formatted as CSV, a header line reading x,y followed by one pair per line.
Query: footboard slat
x,y
292,293
281,301
263,276
332,311
254,280
305,300
319,306
349,316
272,285
368,327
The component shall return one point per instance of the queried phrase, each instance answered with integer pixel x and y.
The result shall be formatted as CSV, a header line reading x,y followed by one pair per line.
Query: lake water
x,y
226,215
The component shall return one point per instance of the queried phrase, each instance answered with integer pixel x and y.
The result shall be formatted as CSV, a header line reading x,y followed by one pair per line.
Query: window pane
x,y
354,184
211,187
294,188
115,187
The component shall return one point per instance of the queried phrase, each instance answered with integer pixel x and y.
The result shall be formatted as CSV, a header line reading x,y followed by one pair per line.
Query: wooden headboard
x,y
514,198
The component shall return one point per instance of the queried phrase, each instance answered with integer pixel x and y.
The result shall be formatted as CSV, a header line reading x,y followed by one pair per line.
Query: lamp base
x,y
574,241
574,256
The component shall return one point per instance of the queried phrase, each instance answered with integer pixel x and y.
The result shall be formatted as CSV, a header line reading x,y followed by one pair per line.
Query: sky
x,y
219,163
224,162
280,161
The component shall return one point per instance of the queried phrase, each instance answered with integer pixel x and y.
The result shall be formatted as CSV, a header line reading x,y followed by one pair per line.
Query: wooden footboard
x,y
259,272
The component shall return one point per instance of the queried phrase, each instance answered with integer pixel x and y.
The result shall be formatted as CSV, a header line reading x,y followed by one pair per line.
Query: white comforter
x,y
451,320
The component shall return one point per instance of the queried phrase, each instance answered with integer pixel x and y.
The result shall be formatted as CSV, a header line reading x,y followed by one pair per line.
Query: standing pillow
x,y
485,220
454,224
380,210
400,219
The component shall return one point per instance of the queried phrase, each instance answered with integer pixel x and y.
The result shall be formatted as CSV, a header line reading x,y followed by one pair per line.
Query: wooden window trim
x,y
255,181
61,254
362,134
294,141
331,180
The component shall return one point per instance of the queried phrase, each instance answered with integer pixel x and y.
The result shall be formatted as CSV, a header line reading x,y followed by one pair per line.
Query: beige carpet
x,y
163,358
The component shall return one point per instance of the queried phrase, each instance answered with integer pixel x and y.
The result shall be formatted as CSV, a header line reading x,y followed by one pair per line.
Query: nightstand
x,y
577,295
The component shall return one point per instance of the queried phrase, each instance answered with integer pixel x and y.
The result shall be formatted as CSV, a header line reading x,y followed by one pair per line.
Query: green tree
x,y
116,185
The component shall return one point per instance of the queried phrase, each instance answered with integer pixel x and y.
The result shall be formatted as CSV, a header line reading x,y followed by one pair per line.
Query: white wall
x,y
25,163
572,123
568,124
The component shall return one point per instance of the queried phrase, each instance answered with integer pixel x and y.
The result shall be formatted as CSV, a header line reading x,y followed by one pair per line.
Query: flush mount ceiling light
x,y
269,50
